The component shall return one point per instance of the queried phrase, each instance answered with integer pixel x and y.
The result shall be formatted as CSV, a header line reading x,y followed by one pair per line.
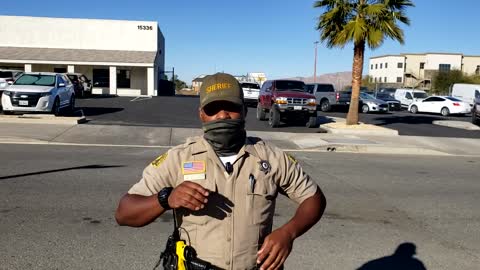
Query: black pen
x,y
252,183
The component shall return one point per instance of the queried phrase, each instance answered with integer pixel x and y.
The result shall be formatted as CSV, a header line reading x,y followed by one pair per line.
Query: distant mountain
x,y
339,79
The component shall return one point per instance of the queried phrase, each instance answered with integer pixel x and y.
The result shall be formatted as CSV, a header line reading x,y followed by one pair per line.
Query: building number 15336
x,y
145,27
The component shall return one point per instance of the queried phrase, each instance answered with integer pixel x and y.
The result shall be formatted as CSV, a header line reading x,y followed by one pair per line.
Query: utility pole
x,y
315,64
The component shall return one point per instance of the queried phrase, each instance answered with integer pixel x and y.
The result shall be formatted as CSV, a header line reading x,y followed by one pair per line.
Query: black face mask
x,y
225,136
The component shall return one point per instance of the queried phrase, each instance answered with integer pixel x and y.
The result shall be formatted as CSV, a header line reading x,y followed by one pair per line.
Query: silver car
x,y
371,104
39,92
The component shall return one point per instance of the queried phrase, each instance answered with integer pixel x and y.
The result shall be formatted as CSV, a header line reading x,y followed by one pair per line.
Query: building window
x,y
376,66
422,65
477,71
385,79
400,65
123,78
381,65
101,78
386,65
380,79
371,66
444,67
60,70
399,79
375,79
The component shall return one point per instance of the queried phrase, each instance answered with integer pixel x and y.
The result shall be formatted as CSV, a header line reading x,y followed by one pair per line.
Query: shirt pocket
x,y
260,200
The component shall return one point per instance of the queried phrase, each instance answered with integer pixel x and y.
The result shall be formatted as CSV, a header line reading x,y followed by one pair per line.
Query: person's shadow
x,y
402,259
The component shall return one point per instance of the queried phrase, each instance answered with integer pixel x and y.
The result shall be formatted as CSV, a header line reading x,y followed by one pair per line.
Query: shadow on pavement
x,y
94,111
417,119
60,170
402,259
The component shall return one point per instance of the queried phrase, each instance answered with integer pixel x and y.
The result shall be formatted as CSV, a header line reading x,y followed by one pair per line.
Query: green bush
x,y
443,81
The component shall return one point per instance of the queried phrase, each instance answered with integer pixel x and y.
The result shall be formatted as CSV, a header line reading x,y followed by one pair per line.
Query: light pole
x,y
315,64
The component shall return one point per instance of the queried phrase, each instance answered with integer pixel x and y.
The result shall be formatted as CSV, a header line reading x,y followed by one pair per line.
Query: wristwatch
x,y
163,197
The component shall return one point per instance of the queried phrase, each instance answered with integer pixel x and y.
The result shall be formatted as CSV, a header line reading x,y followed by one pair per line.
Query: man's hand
x,y
275,249
188,195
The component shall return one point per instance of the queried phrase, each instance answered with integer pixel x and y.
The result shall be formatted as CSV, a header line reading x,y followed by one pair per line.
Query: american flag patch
x,y
193,167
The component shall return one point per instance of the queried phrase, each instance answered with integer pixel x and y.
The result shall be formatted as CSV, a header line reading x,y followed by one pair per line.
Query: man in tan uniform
x,y
223,187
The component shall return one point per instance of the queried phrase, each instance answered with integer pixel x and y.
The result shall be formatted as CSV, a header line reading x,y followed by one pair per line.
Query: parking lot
x,y
183,112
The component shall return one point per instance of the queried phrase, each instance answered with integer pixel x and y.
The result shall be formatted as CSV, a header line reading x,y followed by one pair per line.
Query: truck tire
x,y
475,119
325,105
260,113
274,118
311,121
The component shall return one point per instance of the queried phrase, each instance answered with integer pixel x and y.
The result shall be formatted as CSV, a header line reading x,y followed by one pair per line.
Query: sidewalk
x,y
111,135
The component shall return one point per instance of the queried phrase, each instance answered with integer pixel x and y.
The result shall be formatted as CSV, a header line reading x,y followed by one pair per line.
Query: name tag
x,y
191,177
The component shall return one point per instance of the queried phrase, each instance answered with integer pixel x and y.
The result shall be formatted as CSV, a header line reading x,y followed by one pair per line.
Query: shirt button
x,y
229,239
227,262
229,214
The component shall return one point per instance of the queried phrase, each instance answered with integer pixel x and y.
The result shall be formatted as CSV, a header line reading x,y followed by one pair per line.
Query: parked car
x,y
387,91
393,104
444,105
344,97
476,109
324,94
369,103
465,92
408,96
39,92
286,100
7,77
251,90
10,75
81,84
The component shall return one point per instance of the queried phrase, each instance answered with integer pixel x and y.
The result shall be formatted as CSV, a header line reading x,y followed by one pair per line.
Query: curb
x,y
368,132
377,149
456,124
42,119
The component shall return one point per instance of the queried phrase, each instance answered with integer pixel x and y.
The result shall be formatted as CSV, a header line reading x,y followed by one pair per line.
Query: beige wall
x,y
470,64
42,32
413,65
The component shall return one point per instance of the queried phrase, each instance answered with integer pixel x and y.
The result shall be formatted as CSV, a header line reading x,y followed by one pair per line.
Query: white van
x,y
408,96
465,92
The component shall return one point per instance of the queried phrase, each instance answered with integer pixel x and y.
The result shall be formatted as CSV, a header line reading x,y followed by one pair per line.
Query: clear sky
x,y
271,36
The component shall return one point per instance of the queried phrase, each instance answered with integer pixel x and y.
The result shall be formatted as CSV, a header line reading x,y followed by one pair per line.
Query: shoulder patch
x,y
292,159
157,162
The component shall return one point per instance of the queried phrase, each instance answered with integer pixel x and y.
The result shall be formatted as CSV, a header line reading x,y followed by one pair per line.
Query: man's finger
x,y
189,205
189,198
272,256
197,187
195,194
277,261
263,252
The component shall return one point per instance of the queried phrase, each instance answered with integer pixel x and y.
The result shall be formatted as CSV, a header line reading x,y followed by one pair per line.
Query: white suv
x,y
39,92
251,91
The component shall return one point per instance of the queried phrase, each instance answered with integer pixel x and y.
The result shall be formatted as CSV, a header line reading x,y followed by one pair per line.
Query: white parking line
x,y
140,98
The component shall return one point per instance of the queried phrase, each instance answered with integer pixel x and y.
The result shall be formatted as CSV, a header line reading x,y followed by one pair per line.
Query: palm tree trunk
x,y
357,70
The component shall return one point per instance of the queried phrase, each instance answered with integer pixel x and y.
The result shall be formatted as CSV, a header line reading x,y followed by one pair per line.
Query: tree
x,y
179,84
365,23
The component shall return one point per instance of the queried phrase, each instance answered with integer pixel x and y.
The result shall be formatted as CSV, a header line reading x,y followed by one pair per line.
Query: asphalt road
x,y
183,112
57,205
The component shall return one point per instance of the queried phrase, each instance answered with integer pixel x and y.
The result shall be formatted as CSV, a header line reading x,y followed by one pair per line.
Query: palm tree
x,y
363,22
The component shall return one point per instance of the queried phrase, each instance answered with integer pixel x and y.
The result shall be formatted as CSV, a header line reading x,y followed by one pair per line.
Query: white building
x,y
417,70
120,57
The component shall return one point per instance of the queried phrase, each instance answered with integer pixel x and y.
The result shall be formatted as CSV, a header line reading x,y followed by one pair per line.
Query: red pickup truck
x,y
286,100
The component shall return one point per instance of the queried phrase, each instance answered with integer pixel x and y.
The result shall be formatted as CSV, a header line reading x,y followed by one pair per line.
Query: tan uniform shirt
x,y
239,214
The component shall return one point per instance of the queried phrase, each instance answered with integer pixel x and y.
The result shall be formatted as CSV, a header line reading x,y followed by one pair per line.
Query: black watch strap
x,y
163,197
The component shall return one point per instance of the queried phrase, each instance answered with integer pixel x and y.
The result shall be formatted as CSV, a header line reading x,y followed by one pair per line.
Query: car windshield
x,y
366,96
290,85
250,85
384,96
419,95
453,99
30,79
6,74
